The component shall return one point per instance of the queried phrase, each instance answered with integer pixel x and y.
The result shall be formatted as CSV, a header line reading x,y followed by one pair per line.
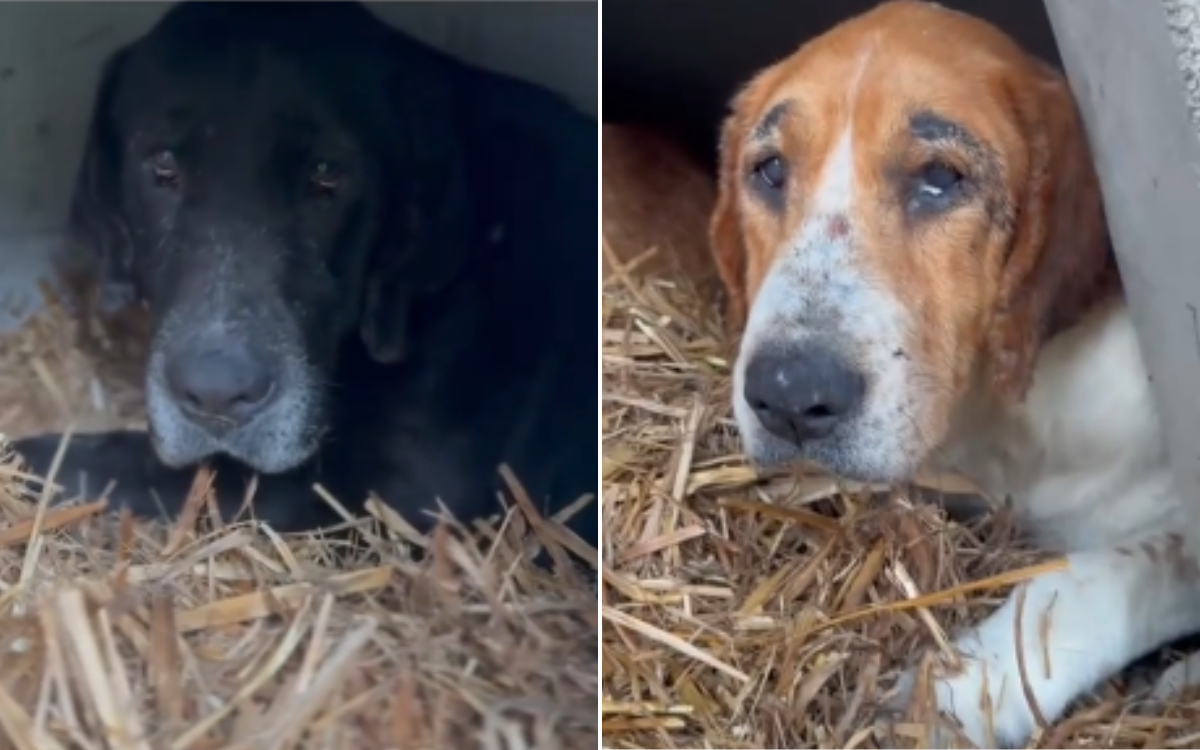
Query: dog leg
x,y
1078,626
125,460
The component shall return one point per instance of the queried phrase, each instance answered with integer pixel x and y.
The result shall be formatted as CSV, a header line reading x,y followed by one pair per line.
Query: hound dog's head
x,y
272,180
907,211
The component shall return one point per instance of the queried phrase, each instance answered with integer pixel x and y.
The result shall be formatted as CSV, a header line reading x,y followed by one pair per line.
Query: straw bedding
x,y
212,633
745,610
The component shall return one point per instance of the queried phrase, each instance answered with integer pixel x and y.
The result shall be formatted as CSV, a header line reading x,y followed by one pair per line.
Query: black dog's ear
x,y
430,218
96,222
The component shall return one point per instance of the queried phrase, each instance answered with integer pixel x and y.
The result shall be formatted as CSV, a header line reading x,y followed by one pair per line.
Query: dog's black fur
x,y
399,246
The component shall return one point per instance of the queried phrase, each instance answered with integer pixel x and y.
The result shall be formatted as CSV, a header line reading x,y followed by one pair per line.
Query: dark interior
x,y
674,65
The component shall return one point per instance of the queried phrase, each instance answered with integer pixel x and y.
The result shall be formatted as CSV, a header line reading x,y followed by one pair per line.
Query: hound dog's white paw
x,y
962,705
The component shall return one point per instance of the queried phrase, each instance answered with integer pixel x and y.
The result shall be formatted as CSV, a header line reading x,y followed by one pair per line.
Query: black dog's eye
x,y
326,177
166,170
772,172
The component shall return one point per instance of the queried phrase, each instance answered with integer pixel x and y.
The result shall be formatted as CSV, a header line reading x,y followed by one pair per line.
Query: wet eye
x,y
772,172
936,187
325,178
937,179
166,170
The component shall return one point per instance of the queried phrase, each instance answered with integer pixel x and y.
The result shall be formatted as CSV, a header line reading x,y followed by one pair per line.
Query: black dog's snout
x,y
224,387
802,393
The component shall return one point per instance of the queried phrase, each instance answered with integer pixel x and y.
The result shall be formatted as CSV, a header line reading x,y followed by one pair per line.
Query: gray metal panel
x,y
1123,66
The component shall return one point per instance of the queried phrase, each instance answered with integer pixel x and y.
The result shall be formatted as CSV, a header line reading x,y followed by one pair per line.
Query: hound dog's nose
x,y
220,389
802,393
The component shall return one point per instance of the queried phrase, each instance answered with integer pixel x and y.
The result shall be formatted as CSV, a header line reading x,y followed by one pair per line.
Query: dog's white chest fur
x,y
1082,460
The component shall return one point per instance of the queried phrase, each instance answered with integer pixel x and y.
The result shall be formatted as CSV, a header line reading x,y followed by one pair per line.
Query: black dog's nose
x,y
802,393
227,387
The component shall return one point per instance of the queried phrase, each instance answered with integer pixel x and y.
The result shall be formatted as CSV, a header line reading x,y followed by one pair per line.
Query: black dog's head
x,y
270,179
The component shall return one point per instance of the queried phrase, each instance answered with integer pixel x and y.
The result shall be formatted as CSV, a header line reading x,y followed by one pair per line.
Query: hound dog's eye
x,y
166,169
771,172
326,177
938,179
936,186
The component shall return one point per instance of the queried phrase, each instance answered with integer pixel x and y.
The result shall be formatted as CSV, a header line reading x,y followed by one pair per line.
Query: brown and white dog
x,y
909,218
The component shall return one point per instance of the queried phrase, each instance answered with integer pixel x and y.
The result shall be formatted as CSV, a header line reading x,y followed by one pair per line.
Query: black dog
x,y
367,265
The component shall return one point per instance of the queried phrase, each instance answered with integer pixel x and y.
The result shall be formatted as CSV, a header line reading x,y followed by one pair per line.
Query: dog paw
x,y
916,715
111,463
936,704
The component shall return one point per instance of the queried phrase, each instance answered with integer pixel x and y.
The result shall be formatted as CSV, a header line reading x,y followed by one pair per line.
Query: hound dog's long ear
x,y
96,222
430,220
725,231
1060,263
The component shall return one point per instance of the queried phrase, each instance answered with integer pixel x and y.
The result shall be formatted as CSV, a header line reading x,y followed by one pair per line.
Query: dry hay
x,y
116,634
748,611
